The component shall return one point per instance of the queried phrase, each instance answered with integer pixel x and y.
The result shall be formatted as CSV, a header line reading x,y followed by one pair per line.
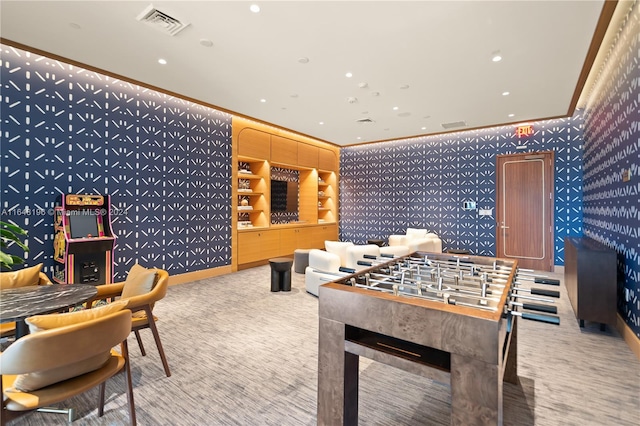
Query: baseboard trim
x,y
629,336
199,275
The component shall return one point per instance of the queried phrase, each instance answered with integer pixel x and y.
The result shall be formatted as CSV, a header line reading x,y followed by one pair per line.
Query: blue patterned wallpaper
x,y
164,161
612,144
288,175
423,182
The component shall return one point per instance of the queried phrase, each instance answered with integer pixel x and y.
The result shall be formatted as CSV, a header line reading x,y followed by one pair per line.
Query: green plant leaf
x,y
8,235
6,260
13,228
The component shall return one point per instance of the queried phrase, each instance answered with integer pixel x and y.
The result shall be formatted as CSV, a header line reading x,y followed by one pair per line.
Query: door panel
x,y
524,209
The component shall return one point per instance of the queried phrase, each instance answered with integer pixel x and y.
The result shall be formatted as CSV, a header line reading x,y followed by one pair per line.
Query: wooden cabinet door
x,y
327,160
288,241
254,143
307,155
284,150
295,238
322,233
304,238
257,245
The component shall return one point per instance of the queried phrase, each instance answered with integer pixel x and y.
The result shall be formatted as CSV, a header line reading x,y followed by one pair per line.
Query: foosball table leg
x,y
510,374
476,392
338,377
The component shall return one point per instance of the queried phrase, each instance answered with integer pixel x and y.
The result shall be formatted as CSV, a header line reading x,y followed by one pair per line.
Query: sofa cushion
x,y
416,233
21,278
339,248
324,261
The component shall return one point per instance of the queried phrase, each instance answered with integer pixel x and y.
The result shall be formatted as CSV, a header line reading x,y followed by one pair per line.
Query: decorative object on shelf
x,y
321,193
244,185
320,180
244,171
244,202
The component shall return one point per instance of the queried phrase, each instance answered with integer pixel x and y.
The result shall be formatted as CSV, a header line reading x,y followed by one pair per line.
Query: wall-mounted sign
x,y
526,130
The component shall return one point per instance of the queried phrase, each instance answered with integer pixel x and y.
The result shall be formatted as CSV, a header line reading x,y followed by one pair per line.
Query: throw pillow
x,y
140,280
45,322
38,380
22,278
34,381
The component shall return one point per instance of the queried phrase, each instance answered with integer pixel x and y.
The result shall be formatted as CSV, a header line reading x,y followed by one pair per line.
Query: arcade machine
x,y
83,243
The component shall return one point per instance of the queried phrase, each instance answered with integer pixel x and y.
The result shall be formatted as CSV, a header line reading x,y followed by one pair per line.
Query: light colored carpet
x,y
241,355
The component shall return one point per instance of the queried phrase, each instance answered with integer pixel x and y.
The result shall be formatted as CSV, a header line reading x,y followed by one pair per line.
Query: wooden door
x,y
524,209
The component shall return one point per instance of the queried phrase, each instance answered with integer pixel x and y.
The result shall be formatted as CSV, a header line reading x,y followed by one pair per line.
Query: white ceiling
x,y
441,50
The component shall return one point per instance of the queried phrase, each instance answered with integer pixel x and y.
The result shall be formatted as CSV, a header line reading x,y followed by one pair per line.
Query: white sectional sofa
x,y
417,239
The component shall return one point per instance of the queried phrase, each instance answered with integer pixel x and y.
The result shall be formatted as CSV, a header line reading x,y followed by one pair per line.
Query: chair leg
x,y
127,371
156,337
140,345
103,385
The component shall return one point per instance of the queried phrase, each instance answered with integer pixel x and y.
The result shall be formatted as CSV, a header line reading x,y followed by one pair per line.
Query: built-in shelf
x,y
257,151
252,187
248,176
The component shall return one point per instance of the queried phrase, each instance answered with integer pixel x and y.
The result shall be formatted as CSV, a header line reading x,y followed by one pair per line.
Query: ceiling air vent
x,y
365,120
453,124
161,21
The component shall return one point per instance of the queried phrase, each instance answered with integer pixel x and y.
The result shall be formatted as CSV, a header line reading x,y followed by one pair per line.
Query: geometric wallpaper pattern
x,y
422,183
164,161
612,145
287,175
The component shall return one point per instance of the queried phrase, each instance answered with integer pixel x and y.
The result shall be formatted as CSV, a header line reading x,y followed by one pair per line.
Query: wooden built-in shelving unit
x,y
256,149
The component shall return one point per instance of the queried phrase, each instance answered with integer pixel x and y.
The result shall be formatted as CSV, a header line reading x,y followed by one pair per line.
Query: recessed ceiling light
x,y
358,138
303,60
505,93
395,108
162,61
294,95
423,128
74,26
496,58
404,86
349,75
254,8
263,100
511,115
206,42
375,93
321,123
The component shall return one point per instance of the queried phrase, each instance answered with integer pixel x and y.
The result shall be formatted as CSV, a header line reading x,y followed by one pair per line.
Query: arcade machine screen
x,y
83,226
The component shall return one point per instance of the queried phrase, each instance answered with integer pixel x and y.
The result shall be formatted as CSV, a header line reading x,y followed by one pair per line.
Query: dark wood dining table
x,y
16,304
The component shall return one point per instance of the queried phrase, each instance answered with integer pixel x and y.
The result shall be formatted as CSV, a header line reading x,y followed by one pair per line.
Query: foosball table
x,y
445,317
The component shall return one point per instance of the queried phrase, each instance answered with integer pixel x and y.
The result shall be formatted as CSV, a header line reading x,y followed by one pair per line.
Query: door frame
x,y
547,263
